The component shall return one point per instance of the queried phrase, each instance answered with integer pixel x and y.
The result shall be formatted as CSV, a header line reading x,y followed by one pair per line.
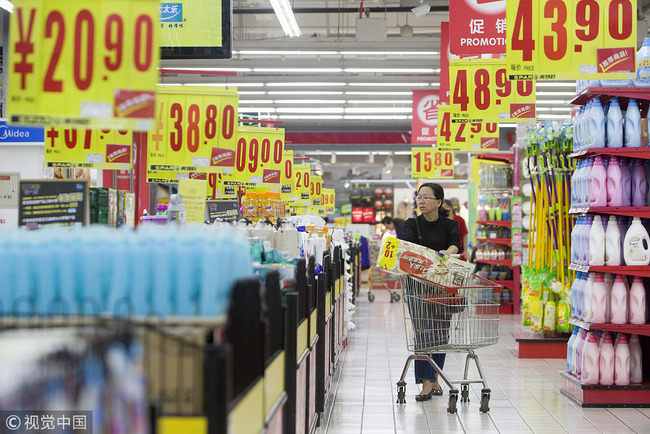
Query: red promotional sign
x,y
424,125
444,62
118,153
489,143
522,111
134,104
271,176
223,157
479,26
616,60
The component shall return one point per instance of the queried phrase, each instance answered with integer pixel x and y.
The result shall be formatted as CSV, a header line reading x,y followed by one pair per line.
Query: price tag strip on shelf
x,y
559,40
195,131
69,64
480,92
476,136
88,149
430,163
259,157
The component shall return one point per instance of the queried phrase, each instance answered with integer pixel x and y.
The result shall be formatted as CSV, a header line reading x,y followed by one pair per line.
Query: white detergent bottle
x,y
574,183
597,184
574,233
598,301
636,360
637,302
590,354
597,243
626,182
636,244
586,310
643,65
574,294
597,124
623,225
632,125
639,183
569,349
574,352
622,362
614,180
606,361
618,314
614,125
612,243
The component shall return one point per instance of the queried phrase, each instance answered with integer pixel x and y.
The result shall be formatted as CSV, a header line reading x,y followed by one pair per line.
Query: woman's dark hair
x,y
396,221
439,193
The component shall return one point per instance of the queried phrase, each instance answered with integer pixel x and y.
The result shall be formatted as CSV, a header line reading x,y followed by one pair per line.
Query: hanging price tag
x,y
315,189
195,131
259,156
287,176
90,149
481,92
90,64
328,197
476,136
559,40
430,163
302,181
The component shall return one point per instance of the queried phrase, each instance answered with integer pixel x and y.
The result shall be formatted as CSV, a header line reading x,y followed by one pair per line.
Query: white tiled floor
x,y
525,392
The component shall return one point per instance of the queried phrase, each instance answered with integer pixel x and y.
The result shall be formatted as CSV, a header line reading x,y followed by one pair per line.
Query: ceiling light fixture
x,y
305,84
306,92
310,110
284,13
389,84
393,70
421,10
409,93
7,5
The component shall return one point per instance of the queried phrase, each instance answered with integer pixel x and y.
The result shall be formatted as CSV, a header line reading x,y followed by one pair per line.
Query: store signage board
x,y
259,156
196,29
315,190
328,198
424,125
226,210
430,163
89,149
559,40
20,135
479,26
193,192
301,181
44,202
481,92
476,136
88,64
195,130
9,184
286,188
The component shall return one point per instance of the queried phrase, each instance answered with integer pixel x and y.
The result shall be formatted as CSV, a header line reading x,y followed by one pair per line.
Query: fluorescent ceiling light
x,y
251,92
335,53
310,110
380,93
309,117
287,53
284,13
225,84
506,126
389,84
553,84
550,101
555,93
303,70
256,109
255,101
305,84
168,84
7,5
378,110
304,92
379,101
561,109
309,101
393,70
543,109
180,70
391,53
375,117
421,10
549,116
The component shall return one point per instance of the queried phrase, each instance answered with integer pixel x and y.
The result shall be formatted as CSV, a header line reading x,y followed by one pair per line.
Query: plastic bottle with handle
x,y
636,360
606,361
622,362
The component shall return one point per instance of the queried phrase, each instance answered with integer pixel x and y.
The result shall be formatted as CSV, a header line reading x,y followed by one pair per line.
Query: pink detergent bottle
x,y
619,301
636,360
637,313
606,361
579,349
599,300
614,183
626,182
622,362
639,185
590,366
597,184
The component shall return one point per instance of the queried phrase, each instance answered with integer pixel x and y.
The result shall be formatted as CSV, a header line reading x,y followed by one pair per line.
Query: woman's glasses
x,y
424,198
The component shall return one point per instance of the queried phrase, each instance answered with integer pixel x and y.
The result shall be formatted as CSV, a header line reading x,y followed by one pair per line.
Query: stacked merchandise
x,y
547,278
112,208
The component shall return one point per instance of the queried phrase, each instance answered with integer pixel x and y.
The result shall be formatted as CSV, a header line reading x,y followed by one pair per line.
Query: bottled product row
x,y
493,206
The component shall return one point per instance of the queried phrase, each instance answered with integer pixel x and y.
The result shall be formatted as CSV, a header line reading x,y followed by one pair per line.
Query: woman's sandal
x,y
434,392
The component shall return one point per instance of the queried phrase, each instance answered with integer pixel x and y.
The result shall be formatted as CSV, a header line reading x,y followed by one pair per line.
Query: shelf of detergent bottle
x,y
632,329
504,223
642,153
606,93
506,262
628,270
630,211
504,241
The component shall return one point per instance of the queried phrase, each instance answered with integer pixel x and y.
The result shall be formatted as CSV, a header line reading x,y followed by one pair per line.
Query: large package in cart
x,y
402,257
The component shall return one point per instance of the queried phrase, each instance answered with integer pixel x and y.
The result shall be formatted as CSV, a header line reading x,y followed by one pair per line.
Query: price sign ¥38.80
x,y
195,131
475,136
90,149
559,39
83,63
480,91
430,163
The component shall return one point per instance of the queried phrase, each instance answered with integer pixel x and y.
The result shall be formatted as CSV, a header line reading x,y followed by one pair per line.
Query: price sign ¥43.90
x,y
475,136
195,131
90,149
83,63
556,39
480,91
430,163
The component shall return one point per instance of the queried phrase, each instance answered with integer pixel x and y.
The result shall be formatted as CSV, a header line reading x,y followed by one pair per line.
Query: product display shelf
x,y
632,329
606,93
633,395
635,270
504,241
504,223
630,211
506,262
643,153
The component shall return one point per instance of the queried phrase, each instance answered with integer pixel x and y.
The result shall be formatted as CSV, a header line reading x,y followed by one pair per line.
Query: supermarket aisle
x,y
525,393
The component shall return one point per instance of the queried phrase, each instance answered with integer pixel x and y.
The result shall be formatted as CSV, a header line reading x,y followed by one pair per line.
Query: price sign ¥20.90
x,y
475,136
481,92
195,131
430,163
80,63
556,39
90,149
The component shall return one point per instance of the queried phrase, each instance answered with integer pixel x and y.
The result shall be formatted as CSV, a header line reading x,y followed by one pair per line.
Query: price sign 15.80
x,y
430,163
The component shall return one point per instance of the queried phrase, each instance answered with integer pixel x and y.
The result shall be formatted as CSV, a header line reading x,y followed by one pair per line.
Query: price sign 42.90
x,y
466,136
556,39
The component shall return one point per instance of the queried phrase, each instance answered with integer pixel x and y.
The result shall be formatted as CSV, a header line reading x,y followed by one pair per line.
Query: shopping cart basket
x,y
380,278
450,311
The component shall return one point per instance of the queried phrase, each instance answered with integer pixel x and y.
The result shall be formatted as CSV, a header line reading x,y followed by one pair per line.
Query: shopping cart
x,y
380,278
452,310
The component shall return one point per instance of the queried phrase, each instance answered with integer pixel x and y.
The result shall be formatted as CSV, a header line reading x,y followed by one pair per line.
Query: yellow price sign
x,y
195,131
430,163
315,189
559,40
476,136
301,181
328,197
90,149
287,176
480,91
83,64
259,156
193,192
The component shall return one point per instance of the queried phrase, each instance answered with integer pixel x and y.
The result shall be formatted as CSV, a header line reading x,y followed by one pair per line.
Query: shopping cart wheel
x,y
464,393
485,400
401,392
371,297
395,296
453,399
